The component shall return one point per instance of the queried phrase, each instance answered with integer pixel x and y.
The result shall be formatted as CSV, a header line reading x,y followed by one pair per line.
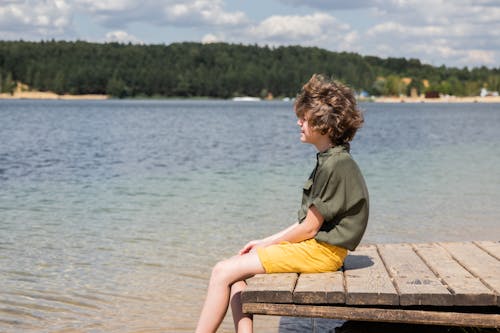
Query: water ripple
x,y
53,297
114,212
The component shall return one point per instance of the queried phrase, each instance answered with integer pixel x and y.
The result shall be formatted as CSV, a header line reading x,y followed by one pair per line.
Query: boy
x,y
332,218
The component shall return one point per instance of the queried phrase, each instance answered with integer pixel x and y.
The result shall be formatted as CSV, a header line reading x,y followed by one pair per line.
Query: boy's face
x,y
307,133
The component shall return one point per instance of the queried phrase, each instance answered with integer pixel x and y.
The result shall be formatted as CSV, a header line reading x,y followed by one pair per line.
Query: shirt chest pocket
x,y
307,186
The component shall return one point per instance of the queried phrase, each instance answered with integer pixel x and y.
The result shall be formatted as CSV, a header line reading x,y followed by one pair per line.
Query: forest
x,y
221,70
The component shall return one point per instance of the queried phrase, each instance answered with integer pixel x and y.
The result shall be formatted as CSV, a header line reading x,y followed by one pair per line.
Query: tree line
x,y
220,70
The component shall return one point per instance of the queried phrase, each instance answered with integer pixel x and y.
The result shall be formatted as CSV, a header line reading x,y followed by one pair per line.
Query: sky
x,y
454,33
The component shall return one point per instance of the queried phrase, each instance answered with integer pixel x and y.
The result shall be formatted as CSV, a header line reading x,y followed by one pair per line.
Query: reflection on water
x,y
112,213
313,325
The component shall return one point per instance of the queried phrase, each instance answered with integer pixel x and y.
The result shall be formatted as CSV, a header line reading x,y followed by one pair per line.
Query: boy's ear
x,y
326,131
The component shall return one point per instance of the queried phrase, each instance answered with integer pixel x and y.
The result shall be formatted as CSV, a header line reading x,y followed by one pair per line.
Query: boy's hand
x,y
250,246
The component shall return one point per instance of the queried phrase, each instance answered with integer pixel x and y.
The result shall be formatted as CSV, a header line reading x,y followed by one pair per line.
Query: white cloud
x,y
454,32
292,28
121,36
328,4
205,12
107,5
34,18
397,30
460,33
211,38
189,13
317,29
119,13
351,42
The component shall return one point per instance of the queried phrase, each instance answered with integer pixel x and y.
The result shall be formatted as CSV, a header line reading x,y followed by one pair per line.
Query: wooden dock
x,y
456,284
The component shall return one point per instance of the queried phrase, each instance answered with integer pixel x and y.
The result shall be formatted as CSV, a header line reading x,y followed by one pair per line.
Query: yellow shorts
x,y
309,256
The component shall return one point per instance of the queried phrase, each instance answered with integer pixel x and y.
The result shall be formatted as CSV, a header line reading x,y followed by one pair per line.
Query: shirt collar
x,y
322,156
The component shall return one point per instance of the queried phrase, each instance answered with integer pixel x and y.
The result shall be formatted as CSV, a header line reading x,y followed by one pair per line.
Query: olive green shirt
x,y
337,189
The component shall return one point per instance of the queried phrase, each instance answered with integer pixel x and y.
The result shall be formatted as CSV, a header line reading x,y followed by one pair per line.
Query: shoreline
x,y
446,99
47,95
41,95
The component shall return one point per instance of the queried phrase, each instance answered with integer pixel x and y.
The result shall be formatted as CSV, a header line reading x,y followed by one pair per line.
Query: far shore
x,y
444,99
41,95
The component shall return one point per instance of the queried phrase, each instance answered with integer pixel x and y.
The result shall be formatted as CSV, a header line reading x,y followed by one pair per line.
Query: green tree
x,y
395,86
379,87
415,84
472,88
493,82
59,84
8,84
117,88
456,86
444,87
218,70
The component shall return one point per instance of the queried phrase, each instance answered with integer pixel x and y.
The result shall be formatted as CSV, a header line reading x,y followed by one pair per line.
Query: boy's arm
x,y
297,232
302,231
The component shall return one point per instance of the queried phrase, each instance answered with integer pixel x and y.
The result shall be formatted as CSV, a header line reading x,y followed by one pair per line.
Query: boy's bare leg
x,y
224,274
243,323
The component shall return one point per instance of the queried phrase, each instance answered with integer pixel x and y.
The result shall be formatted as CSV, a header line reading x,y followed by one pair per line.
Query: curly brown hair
x,y
330,107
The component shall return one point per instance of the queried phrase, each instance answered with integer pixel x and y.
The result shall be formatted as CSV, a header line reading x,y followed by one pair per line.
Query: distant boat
x,y
246,99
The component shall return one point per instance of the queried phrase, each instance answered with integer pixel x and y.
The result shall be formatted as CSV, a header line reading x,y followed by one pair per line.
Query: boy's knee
x,y
221,270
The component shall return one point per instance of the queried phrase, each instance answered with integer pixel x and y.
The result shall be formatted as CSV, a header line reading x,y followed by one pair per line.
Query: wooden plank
x,y
376,314
320,288
493,248
479,262
367,280
271,288
415,282
466,289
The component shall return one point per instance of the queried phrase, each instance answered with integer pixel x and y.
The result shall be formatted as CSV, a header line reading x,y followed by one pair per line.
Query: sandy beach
x,y
49,95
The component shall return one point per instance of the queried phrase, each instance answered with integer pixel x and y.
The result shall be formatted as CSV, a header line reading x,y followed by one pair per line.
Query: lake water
x,y
112,213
